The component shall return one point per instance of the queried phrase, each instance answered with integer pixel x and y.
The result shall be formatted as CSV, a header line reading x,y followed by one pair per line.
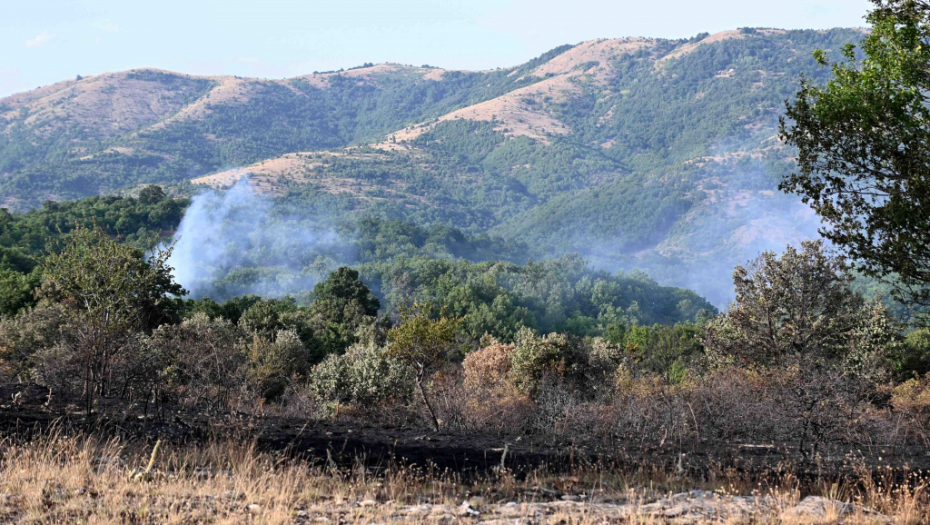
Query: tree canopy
x,y
863,142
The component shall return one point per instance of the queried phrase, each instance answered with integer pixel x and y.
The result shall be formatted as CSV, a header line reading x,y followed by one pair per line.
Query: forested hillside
x,y
635,152
399,261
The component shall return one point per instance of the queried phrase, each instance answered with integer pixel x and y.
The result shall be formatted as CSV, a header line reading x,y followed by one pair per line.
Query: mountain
x,y
636,152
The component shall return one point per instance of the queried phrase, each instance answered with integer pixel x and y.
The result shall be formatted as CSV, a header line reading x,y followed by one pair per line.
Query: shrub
x,y
489,366
364,375
556,355
912,399
26,334
201,360
486,399
266,318
272,363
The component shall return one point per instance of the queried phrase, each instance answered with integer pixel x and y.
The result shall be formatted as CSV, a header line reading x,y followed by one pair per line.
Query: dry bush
x,y
489,366
25,335
482,397
912,400
490,407
731,405
648,409
552,355
203,364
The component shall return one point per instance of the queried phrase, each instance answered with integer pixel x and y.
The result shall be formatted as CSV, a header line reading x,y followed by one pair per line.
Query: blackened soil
x,y
26,411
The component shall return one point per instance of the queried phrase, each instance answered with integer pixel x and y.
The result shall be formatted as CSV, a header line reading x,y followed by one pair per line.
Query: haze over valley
x,y
636,153
630,280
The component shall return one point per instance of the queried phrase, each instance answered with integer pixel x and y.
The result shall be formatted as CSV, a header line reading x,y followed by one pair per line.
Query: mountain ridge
x,y
632,151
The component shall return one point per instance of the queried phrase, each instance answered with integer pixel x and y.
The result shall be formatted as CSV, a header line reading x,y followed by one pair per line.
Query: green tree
x,y
796,304
341,305
863,144
798,322
110,295
152,195
17,290
423,343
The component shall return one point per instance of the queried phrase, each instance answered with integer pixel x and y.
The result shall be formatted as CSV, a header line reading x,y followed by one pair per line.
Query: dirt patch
x,y
601,51
106,105
435,74
274,176
227,90
733,34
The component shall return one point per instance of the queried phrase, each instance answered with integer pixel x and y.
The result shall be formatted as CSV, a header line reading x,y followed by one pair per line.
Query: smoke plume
x,y
234,243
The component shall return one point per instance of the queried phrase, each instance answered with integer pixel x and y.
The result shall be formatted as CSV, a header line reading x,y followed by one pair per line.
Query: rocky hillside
x,y
634,151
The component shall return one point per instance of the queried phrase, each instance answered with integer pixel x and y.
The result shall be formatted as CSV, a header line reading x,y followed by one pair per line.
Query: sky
x,y
46,41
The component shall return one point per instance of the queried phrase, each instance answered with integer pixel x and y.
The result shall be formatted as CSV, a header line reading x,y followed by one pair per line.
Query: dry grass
x,y
90,480
107,105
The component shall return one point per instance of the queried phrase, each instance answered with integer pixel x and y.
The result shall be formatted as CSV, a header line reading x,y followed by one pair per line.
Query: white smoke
x,y
235,243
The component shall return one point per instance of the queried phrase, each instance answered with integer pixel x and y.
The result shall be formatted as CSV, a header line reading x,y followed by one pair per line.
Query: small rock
x,y
418,509
255,508
819,507
693,494
570,497
368,503
467,510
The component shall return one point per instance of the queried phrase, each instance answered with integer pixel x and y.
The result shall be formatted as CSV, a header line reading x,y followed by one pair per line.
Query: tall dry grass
x,y
90,479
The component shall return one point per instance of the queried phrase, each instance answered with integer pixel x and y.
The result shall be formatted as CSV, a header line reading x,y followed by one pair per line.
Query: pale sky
x,y
45,41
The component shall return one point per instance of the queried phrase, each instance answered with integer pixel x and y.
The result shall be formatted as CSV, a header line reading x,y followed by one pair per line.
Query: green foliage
x,y
110,295
913,358
17,290
363,376
341,305
863,142
667,351
423,339
25,237
551,296
558,356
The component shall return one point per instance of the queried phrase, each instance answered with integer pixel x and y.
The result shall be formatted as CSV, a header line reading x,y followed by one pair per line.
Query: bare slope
x,y
633,147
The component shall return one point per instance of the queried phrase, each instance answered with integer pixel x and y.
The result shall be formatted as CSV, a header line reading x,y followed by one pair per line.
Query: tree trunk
x,y
426,402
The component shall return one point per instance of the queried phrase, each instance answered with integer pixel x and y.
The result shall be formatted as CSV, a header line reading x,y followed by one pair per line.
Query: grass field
x,y
58,479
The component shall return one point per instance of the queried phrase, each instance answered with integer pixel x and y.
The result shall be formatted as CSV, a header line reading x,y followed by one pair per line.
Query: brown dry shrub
x,y
912,400
480,396
489,366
